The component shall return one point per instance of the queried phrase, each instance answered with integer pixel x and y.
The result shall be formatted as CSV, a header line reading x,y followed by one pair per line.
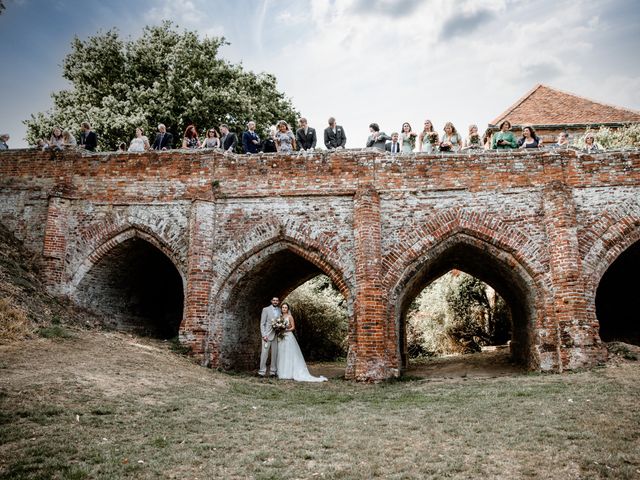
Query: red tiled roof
x,y
547,106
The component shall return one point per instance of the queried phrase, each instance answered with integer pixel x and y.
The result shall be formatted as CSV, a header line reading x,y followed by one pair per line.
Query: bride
x,y
291,364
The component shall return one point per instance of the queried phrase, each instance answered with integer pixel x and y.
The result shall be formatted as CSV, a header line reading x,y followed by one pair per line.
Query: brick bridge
x,y
199,242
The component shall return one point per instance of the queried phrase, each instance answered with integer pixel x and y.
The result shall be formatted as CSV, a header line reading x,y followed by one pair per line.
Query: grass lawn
x,y
105,405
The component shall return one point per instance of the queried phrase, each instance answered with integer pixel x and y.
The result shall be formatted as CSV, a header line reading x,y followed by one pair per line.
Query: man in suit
x,y
164,140
394,145
229,139
306,136
250,139
269,340
377,139
88,138
334,136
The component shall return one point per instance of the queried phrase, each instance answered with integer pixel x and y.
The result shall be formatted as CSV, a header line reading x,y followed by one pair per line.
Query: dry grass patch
x,y
14,323
110,406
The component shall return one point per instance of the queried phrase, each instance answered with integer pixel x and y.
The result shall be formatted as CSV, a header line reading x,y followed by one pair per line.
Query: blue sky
x,y
362,61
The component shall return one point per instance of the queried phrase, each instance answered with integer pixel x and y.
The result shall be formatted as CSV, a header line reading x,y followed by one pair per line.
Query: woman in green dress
x,y
504,139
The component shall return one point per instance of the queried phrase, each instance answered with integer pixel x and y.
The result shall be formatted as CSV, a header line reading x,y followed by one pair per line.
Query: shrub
x,y
612,139
321,318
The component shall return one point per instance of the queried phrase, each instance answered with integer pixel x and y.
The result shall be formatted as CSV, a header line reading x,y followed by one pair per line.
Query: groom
x,y
269,340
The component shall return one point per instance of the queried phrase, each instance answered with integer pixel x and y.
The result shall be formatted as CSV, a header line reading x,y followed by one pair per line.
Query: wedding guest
x,y
473,141
164,140
4,138
68,140
377,139
212,140
122,147
486,140
56,141
562,141
229,139
334,135
285,140
250,139
42,144
88,138
190,139
394,145
140,143
408,138
428,138
269,144
504,138
306,136
529,138
451,140
590,144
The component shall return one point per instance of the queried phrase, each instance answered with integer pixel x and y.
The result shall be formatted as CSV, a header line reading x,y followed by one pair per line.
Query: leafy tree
x,y
321,319
456,314
165,76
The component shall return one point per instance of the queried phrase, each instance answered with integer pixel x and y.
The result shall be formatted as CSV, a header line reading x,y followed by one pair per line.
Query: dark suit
x,y
229,141
163,141
334,140
247,142
388,147
378,142
306,141
89,140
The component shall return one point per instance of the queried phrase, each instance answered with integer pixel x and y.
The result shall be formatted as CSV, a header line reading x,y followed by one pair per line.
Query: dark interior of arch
x,y
616,299
492,270
278,275
137,288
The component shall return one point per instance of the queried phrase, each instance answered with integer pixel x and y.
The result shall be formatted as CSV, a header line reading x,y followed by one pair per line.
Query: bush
x,y
613,139
321,318
457,313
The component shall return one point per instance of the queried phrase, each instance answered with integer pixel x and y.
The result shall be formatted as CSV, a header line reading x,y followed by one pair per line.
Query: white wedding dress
x,y
291,364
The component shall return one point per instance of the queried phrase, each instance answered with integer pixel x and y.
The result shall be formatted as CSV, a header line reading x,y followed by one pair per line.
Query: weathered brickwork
x,y
231,231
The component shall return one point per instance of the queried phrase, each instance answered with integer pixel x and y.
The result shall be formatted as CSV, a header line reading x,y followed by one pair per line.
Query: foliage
x,y
611,139
456,314
165,76
321,319
2,7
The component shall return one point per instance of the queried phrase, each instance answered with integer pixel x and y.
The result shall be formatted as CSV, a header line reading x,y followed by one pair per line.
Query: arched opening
x,y
137,288
616,309
277,270
487,263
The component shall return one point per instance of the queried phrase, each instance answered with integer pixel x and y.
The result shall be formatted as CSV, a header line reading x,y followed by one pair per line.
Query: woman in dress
x,y
190,139
473,141
291,364
68,139
269,144
451,140
529,138
140,143
504,139
212,140
408,138
428,138
285,140
590,144
56,142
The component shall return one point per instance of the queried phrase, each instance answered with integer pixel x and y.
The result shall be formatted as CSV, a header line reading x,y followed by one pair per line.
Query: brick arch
x,y
110,239
442,226
232,295
520,285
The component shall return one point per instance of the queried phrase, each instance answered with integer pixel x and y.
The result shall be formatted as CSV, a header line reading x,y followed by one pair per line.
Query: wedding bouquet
x,y
474,139
280,326
433,138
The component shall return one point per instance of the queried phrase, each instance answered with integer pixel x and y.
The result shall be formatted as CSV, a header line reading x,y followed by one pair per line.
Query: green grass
x,y
99,407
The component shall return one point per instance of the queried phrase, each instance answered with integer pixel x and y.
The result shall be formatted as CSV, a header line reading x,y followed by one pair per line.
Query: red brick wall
x,y
541,227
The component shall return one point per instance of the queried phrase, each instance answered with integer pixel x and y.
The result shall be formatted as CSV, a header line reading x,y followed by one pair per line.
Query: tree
x,y
627,136
165,76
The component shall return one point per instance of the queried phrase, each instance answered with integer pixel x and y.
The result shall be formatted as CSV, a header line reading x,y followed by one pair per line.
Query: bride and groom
x,y
287,361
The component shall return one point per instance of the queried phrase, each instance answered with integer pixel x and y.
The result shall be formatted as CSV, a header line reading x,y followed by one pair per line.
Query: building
x,y
551,111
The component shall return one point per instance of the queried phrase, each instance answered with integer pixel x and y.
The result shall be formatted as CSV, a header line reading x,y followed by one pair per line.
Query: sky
x,y
361,61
